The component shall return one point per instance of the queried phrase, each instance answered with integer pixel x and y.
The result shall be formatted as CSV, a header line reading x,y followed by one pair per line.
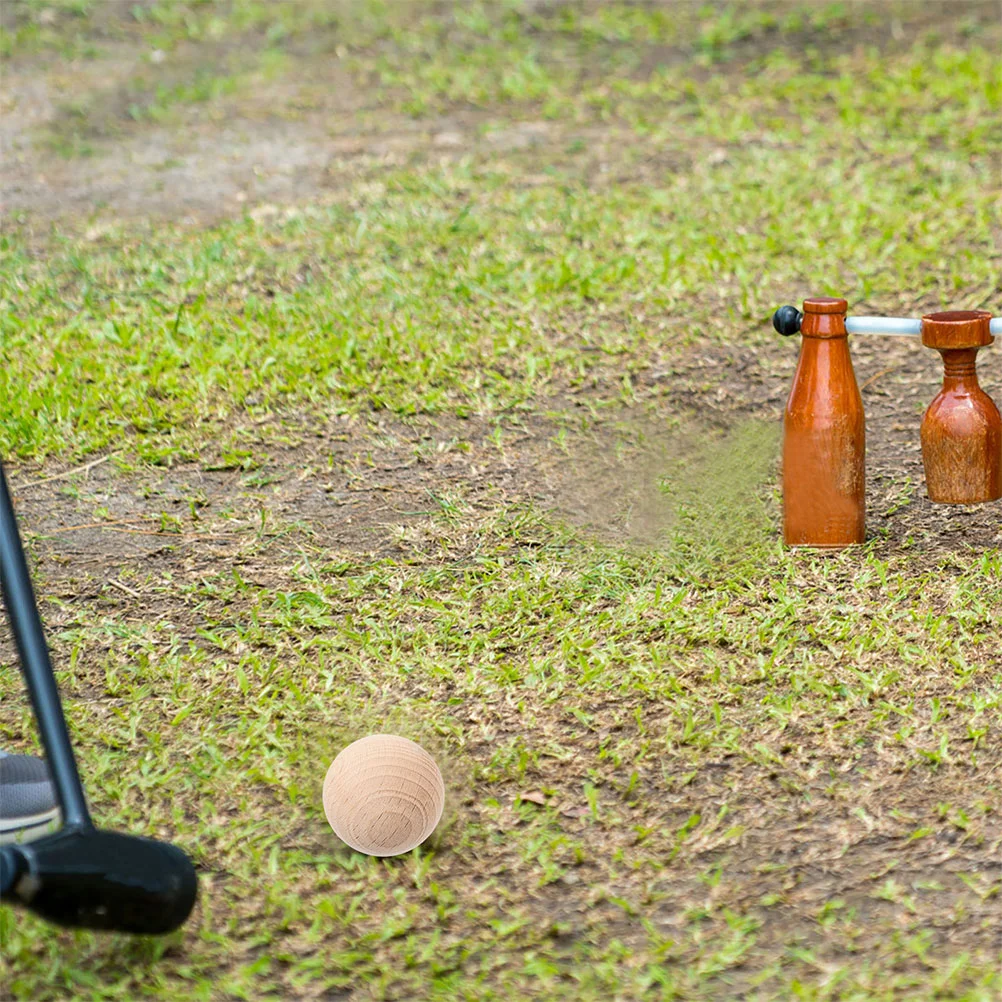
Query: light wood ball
x,y
383,795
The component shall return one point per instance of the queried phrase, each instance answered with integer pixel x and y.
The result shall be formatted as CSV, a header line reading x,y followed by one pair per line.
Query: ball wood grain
x,y
383,795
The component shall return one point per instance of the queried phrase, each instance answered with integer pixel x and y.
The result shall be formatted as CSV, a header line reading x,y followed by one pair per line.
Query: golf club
x,y
80,876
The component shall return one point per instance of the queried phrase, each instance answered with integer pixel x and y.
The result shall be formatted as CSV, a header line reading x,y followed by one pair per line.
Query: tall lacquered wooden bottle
x,y
824,437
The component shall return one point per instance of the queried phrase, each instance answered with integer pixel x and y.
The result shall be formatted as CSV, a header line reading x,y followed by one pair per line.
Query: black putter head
x,y
93,879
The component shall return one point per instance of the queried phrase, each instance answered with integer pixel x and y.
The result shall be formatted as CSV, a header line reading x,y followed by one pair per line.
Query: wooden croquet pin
x,y
824,433
962,428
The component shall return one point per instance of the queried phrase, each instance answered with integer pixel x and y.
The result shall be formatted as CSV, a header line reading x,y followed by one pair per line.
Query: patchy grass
x,y
453,290
467,287
753,768
370,462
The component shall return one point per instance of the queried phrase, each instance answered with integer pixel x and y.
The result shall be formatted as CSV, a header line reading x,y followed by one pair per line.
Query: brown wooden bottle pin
x,y
962,428
824,432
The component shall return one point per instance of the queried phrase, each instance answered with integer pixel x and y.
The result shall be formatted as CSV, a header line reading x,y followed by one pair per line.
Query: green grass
x,y
764,775
607,680
437,289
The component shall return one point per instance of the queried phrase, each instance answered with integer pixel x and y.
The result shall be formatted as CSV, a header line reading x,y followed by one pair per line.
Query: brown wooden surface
x,y
824,437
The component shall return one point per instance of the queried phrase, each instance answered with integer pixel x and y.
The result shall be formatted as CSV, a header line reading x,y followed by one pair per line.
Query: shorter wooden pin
x,y
962,428
383,795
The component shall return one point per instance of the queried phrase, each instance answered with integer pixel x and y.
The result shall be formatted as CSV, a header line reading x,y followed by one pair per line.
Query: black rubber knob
x,y
786,320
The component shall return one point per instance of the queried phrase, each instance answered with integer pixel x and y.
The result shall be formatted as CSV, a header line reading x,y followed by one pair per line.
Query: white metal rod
x,y
900,325
883,325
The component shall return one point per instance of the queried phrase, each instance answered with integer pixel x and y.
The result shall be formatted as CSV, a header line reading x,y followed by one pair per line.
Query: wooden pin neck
x,y
960,363
824,318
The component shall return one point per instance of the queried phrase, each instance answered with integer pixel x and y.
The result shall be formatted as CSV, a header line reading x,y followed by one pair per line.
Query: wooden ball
x,y
383,795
